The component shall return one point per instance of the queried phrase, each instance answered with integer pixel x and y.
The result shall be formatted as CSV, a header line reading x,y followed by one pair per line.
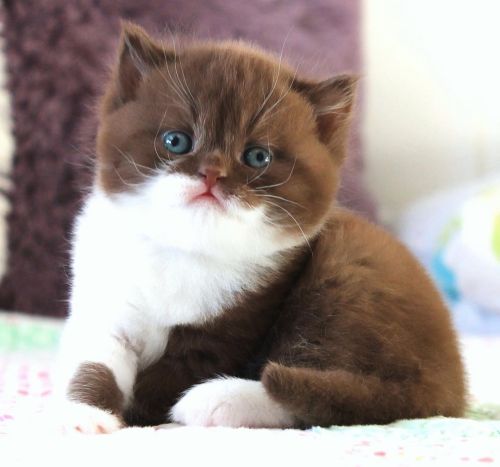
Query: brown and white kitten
x,y
215,280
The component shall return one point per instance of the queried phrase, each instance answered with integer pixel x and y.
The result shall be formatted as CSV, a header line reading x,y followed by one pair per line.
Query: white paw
x,y
74,417
231,402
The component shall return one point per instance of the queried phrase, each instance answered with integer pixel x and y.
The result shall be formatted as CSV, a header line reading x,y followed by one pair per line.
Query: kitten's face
x,y
220,138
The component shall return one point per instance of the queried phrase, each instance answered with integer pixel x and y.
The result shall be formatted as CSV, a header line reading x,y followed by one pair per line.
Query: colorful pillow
x,y
471,249
456,234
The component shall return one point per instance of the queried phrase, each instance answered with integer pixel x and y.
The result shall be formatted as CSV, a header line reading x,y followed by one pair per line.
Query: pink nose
x,y
211,175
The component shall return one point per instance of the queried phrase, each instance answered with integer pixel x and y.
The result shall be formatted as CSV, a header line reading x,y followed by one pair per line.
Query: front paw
x,y
230,402
75,417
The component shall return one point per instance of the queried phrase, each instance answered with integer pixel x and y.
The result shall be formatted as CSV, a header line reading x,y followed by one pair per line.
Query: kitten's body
x,y
261,277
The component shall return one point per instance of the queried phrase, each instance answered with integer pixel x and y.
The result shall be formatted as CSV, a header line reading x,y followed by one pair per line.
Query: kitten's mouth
x,y
207,196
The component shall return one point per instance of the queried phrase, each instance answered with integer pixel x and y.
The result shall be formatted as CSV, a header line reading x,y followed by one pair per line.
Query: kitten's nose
x,y
211,175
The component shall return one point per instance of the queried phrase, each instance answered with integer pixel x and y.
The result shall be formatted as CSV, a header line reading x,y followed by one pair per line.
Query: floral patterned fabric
x,y
27,354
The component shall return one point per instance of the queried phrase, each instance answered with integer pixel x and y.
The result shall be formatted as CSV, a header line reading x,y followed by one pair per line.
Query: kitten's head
x,y
219,144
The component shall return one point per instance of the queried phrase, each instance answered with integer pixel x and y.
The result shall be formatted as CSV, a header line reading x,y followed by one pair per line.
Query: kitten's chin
x,y
229,233
172,212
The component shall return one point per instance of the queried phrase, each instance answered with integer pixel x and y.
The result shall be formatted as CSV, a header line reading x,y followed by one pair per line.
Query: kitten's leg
x,y
340,397
231,402
95,381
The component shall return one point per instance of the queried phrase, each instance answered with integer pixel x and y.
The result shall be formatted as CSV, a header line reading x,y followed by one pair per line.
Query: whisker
x,y
273,86
134,163
156,137
182,90
131,185
88,161
175,88
282,183
194,102
172,104
268,113
296,222
171,83
279,197
258,175
265,169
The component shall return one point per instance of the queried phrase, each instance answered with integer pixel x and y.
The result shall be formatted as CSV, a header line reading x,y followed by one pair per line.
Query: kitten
x,y
215,280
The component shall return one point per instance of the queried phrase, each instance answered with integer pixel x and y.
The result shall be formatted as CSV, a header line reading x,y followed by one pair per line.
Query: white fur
x,y
82,342
74,417
232,402
147,260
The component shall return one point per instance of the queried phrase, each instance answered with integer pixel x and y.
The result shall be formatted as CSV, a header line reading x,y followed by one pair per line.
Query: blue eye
x,y
257,157
177,142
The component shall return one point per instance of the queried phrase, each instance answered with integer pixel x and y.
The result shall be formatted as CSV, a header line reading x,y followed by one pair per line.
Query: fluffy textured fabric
x,y
57,53
6,155
27,347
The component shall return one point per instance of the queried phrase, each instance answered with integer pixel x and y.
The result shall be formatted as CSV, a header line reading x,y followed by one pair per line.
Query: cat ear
x,y
139,54
333,101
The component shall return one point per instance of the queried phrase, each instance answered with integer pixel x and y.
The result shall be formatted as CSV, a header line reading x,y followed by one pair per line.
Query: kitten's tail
x,y
327,397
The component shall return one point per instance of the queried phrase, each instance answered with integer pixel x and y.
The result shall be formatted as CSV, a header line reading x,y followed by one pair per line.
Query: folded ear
x,y
333,101
138,55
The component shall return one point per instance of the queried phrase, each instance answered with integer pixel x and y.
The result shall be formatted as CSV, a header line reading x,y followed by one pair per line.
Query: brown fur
x,y
240,80
352,331
375,341
95,384
228,345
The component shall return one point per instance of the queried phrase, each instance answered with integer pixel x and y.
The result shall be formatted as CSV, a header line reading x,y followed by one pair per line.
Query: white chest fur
x,y
129,282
